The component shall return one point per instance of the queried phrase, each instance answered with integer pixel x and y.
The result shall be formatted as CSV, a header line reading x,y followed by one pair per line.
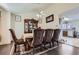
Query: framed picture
x,y
18,18
50,18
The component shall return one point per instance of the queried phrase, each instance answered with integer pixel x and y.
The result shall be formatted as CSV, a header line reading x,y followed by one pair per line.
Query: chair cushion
x,y
20,41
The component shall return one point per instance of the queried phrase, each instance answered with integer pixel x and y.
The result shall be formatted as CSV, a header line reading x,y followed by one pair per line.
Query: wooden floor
x,y
5,49
63,50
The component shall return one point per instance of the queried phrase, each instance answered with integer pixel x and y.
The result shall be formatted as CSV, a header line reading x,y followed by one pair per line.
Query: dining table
x,y
28,38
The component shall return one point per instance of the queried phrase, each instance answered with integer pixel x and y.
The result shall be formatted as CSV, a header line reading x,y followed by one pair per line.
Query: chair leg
x,y
41,46
19,49
44,46
57,43
50,44
53,44
25,47
33,50
15,48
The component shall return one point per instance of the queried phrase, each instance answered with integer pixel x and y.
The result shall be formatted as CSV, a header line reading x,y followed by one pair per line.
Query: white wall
x,y
76,24
57,10
19,26
5,25
12,21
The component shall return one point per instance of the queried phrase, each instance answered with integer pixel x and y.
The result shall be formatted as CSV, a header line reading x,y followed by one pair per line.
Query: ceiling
x,y
72,14
27,7
21,8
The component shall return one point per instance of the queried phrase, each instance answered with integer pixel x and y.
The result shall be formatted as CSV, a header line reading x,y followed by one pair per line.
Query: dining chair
x,y
38,39
17,41
56,36
48,37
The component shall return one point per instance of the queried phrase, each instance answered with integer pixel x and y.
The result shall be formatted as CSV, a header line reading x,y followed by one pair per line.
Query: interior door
x,y
65,33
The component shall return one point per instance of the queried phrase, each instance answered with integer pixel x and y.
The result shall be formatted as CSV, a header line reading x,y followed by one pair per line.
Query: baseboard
x,y
4,43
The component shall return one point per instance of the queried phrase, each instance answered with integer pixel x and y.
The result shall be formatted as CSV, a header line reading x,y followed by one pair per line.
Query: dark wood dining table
x,y
28,37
